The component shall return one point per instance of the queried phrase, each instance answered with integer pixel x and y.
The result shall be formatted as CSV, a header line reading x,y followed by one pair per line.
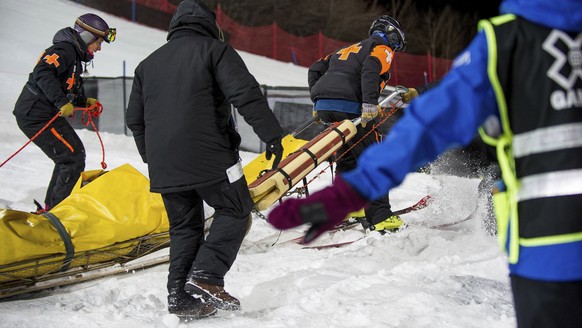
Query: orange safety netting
x,y
273,42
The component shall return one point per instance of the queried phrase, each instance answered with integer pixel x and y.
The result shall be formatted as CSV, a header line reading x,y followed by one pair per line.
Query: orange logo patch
x,y
52,60
71,81
345,52
384,56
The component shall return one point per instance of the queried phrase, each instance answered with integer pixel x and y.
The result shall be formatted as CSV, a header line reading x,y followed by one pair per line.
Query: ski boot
x,y
393,223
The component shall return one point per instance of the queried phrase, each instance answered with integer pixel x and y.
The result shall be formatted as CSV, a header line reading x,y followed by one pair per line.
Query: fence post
x,y
124,100
133,10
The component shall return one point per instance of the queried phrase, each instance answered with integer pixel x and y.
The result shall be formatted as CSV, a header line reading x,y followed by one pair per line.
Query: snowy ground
x,y
418,277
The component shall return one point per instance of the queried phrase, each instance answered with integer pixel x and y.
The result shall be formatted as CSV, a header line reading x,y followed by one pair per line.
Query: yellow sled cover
x,y
105,207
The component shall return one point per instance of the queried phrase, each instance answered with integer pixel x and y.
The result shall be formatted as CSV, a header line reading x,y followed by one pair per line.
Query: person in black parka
x,y
55,85
180,116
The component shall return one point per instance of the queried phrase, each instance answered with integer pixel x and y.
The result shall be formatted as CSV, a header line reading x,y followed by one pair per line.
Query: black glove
x,y
274,147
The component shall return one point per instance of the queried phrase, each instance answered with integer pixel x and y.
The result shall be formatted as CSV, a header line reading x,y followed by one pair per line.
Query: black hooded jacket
x,y
356,73
56,78
179,108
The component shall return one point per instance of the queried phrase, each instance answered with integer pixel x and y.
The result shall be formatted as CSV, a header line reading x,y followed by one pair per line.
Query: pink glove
x,y
323,209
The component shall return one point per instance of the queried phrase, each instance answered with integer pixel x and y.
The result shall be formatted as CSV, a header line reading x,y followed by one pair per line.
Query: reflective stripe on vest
x,y
552,184
547,139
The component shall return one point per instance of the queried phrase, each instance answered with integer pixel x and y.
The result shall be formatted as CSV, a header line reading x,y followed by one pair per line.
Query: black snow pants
x,y
192,256
63,146
547,304
379,210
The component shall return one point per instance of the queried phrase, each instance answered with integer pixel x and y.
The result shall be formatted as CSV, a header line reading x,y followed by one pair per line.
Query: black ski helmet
x,y
90,27
393,31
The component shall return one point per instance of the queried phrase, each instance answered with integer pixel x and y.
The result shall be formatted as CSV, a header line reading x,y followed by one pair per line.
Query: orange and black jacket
x,y
355,73
55,79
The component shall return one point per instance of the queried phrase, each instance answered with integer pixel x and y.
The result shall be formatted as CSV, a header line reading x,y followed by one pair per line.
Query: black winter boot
x,y
187,307
212,294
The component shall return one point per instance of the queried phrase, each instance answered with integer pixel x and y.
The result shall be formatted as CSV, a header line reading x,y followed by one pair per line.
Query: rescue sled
x,y
258,166
291,144
274,184
110,218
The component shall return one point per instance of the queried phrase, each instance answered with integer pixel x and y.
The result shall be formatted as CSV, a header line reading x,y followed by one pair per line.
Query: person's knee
x,y
76,165
74,161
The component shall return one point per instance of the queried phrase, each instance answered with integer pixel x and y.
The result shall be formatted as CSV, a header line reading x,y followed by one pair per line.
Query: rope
x,y
88,114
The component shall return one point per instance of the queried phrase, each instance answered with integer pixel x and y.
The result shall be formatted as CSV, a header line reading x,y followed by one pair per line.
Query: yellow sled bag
x,y
104,208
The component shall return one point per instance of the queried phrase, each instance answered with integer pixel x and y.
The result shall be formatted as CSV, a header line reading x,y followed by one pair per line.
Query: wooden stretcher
x,y
272,185
258,166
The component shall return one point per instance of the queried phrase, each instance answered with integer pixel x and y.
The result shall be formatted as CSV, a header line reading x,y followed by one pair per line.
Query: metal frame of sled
x,y
46,272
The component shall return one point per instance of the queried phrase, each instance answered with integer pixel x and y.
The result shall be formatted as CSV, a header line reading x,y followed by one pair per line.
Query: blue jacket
x,y
450,114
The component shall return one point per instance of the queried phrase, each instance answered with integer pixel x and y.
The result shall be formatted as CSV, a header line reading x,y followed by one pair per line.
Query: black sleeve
x,y
317,70
134,115
371,80
53,62
243,91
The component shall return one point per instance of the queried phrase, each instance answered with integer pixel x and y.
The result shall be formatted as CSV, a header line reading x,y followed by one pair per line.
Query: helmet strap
x,y
382,35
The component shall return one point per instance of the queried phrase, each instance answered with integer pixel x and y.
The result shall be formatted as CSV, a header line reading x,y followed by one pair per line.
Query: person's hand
x,y
274,147
91,101
409,95
369,112
323,210
67,109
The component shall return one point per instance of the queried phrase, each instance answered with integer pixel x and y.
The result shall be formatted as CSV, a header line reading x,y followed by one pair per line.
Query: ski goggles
x,y
110,35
